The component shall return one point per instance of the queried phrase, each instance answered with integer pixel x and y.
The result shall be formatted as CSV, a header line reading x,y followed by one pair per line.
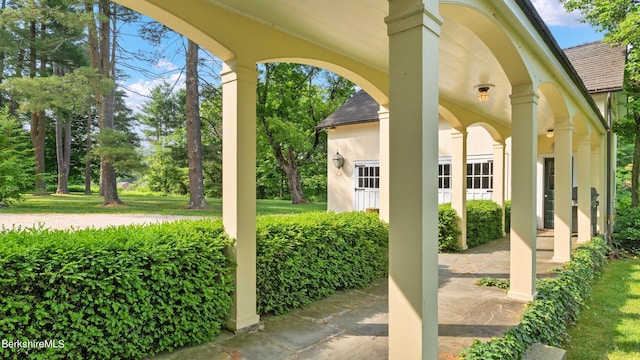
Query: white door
x,y
367,185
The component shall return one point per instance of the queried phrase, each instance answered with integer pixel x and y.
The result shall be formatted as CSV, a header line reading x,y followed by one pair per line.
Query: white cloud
x,y
166,65
554,14
137,92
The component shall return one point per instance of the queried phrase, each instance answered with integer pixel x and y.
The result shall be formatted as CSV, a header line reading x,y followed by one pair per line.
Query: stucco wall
x,y
361,142
355,143
479,142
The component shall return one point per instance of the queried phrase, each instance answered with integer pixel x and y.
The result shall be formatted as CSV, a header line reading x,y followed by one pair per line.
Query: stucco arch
x,y
581,125
459,116
480,18
185,27
232,38
450,118
374,89
555,99
495,135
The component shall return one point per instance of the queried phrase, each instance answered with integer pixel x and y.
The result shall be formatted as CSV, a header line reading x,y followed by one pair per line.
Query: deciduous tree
x,y
619,20
291,100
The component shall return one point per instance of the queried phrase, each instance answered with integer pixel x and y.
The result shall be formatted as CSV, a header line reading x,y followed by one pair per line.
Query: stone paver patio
x,y
353,324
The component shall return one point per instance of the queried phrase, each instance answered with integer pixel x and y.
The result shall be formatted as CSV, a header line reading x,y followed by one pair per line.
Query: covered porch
x,y
418,59
354,324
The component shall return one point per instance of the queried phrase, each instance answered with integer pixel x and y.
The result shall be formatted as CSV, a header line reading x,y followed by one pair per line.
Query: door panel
x,y
548,201
367,187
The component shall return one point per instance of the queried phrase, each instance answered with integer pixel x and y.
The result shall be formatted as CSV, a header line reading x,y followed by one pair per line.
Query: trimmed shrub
x,y
484,222
305,257
627,231
557,305
448,231
117,293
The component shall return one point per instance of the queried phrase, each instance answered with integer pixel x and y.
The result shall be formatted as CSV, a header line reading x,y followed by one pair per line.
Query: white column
x,y
584,189
498,176
413,193
383,115
239,190
524,120
459,181
562,208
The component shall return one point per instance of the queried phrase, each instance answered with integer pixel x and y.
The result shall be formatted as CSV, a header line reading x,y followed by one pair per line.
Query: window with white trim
x,y
444,176
480,175
368,176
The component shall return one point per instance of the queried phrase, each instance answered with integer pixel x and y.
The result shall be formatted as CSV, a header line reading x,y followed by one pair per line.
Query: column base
x,y
245,325
513,295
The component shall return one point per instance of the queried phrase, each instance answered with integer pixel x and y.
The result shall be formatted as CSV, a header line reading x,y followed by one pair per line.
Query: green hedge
x,y
557,305
484,222
117,293
301,258
627,229
448,231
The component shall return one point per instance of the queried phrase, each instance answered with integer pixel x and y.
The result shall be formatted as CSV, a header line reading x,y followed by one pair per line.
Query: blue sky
x,y
565,27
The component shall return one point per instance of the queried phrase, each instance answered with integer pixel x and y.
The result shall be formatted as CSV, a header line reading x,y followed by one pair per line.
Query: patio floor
x,y
353,324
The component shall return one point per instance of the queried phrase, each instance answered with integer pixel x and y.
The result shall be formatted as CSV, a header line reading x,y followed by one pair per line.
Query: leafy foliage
x,y
302,258
619,20
121,293
16,160
490,281
557,305
291,100
627,230
448,231
484,222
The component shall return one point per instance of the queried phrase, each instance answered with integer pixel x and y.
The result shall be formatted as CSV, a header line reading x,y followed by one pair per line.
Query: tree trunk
x,y
108,180
37,120
38,141
290,168
194,131
100,52
635,170
87,159
295,187
63,156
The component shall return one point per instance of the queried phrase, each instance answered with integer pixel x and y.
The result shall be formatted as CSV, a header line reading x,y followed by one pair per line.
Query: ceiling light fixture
x,y
550,133
483,91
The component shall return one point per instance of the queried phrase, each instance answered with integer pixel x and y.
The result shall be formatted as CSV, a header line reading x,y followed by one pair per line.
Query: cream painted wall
x,y
361,142
357,142
479,142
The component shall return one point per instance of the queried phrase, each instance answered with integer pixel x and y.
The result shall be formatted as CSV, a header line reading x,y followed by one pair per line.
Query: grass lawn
x,y
143,204
609,327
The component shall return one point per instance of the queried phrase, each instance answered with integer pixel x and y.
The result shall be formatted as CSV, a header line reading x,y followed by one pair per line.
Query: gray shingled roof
x,y
600,66
361,108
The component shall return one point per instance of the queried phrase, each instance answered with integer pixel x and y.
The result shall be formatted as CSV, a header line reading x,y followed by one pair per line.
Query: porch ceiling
x,y
356,30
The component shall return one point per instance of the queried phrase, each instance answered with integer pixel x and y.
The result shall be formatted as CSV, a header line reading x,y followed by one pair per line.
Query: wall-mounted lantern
x,y
550,133
338,160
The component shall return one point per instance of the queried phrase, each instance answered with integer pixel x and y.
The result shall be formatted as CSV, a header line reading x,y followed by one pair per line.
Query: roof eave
x,y
532,14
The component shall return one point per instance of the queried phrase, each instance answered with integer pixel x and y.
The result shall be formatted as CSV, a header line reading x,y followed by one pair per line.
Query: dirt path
x,y
80,221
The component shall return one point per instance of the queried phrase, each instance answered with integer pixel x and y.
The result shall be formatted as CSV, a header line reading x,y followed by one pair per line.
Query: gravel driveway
x,y
80,221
